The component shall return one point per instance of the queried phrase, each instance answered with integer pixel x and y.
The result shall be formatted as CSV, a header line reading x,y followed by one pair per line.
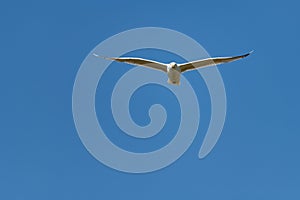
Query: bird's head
x,y
173,65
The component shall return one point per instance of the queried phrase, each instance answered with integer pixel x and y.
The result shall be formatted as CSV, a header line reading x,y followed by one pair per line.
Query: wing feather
x,y
140,62
209,62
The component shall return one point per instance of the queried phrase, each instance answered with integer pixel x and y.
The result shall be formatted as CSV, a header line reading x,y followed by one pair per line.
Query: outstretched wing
x,y
140,62
209,62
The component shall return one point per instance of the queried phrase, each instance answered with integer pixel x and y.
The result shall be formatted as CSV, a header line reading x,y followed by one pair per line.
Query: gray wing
x,y
140,62
209,62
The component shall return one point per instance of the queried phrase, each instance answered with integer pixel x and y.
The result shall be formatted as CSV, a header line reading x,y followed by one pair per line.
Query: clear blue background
x,y
42,46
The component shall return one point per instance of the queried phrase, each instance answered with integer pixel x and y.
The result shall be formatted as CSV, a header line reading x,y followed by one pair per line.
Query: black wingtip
x,y
247,54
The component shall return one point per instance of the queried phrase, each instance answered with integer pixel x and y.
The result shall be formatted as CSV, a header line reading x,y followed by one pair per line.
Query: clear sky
x,y
42,46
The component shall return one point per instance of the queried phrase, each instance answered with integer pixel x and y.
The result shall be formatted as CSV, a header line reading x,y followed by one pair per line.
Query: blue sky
x,y
42,47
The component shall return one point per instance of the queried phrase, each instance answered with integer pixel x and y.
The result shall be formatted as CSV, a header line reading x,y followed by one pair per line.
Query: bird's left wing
x,y
140,62
209,62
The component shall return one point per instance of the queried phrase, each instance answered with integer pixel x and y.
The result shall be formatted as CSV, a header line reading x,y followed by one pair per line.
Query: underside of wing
x,y
209,62
140,62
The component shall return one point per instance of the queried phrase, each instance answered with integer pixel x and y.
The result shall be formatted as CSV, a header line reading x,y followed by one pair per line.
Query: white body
x,y
173,72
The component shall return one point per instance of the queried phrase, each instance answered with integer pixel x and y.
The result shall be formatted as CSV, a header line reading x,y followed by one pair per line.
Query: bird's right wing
x,y
209,62
140,62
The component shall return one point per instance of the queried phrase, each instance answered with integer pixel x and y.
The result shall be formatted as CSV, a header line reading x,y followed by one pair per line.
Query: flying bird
x,y
173,69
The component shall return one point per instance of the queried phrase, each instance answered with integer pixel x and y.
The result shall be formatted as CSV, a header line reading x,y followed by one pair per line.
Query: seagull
x,y
173,69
